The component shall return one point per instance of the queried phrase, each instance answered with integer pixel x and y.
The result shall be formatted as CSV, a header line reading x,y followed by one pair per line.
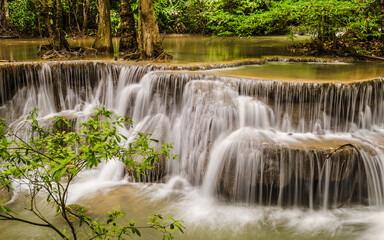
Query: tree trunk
x,y
85,16
128,41
77,21
69,15
50,22
60,42
103,42
39,25
4,14
54,21
148,32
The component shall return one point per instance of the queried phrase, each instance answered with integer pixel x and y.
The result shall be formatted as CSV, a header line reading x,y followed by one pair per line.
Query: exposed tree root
x,y
357,50
137,57
367,56
131,56
164,56
47,52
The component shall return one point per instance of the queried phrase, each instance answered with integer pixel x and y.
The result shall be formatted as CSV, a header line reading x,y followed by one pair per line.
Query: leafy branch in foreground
x,y
48,159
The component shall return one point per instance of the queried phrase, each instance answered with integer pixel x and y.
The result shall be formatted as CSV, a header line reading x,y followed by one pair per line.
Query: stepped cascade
x,y
244,140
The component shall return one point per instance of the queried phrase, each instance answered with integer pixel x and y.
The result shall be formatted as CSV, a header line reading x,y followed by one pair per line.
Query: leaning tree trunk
x,y
128,41
148,39
103,42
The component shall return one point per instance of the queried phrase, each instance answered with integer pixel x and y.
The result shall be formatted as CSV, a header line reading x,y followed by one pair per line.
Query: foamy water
x,y
251,152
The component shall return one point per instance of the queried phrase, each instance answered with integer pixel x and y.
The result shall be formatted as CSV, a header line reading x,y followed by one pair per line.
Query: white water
x,y
254,143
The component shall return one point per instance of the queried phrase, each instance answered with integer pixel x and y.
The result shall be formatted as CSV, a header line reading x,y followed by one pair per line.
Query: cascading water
x,y
246,140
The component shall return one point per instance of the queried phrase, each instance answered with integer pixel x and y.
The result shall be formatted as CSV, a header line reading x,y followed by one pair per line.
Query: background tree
x,y
4,15
85,15
128,37
103,42
149,41
52,11
338,26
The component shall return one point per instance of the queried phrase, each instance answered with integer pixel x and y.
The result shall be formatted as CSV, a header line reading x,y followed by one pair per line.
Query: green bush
x,y
23,16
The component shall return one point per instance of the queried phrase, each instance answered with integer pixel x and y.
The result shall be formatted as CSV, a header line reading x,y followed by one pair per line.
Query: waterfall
x,y
247,140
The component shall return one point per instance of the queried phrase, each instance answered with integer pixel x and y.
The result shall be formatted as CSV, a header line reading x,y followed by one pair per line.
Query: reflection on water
x,y
187,49
26,49
183,48
203,49
308,72
20,50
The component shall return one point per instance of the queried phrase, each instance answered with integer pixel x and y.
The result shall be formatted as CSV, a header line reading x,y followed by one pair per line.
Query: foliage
x,y
175,16
323,19
23,16
51,158
115,22
239,17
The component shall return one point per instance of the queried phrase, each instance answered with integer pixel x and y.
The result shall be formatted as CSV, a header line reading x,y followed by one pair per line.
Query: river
x,y
250,137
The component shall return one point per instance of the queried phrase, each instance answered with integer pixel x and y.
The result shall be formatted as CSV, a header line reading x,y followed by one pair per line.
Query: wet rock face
x,y
295,175
5,194
340,165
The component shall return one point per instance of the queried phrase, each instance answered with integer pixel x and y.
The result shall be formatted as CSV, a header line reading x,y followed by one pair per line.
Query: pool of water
x,y
204,49
185,49
335,72
188,49
207,218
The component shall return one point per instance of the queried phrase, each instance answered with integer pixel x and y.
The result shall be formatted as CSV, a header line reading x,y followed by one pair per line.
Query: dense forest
x,y
337,26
